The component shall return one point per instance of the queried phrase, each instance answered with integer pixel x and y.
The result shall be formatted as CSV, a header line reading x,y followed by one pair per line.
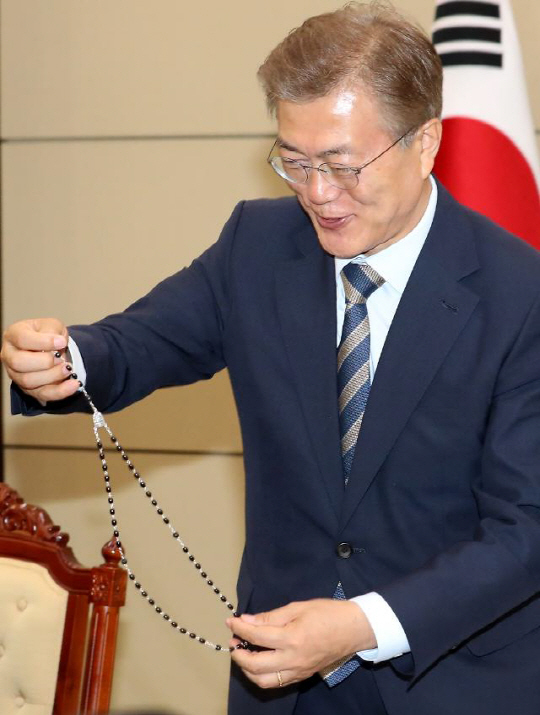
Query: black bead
x,y
210,582
174,624
204,574
119,448
197,566
57,354
110,499
99,445
104,467
137,585
216,590
108,489
185,549
107,478
160,511
69,368
230,607
223,598
114,522
116,533
176,535
183,630
112,512
202,640
124,457
166,617
132,576
113,439
142,484
158,609
136,475
130,465
193,635
191,557
124,561
151,601
218,647
74,376
165,520
102,454
144,593
236,614
154,502
80,384
119,544
148,494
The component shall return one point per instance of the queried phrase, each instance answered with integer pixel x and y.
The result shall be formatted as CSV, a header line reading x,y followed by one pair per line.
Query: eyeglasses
x,y
338,175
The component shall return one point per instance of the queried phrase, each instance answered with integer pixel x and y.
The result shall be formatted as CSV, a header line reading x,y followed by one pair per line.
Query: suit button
x,y
344,550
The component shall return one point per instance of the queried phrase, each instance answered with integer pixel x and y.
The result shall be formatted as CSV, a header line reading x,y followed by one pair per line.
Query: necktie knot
x,y
359,281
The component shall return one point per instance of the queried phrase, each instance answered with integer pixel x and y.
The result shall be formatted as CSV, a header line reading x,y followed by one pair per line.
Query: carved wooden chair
x,y
58,620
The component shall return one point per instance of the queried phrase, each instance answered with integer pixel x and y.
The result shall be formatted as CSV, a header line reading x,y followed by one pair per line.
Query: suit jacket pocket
x,y
507,629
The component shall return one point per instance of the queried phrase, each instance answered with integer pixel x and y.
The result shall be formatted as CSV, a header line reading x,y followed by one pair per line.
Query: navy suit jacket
x,y
443,503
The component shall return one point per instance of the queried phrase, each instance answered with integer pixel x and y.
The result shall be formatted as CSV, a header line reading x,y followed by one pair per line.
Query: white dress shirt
x,y
395,265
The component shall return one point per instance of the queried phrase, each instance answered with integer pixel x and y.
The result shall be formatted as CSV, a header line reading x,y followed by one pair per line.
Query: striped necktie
x,y
359,281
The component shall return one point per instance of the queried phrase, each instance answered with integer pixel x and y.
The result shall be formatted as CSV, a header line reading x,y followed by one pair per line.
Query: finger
x,y
37,335
265,636
277,617
271,680
28,360
33,380
260,662
52,393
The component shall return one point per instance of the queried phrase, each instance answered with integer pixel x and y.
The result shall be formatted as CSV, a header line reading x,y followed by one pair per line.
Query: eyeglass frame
x,y
356,170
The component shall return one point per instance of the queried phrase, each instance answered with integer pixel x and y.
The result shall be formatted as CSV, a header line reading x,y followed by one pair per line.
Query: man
x,y
406,476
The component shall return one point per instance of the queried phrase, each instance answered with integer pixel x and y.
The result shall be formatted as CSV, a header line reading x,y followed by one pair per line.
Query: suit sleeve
x,y
171,336
485,592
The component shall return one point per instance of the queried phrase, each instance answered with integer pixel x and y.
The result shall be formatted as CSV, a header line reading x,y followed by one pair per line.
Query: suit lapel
x,y
306,295
432,312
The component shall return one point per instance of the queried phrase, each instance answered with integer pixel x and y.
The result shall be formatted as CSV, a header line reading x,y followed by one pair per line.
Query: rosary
x,y
100,423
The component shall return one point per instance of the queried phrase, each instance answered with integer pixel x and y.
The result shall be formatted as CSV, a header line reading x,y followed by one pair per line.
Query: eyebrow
x,y
337,150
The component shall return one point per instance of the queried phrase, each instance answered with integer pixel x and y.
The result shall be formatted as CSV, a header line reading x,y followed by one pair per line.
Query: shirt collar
x,y
395,263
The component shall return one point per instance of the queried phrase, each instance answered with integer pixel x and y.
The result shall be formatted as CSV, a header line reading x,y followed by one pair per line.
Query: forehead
x,y
345,118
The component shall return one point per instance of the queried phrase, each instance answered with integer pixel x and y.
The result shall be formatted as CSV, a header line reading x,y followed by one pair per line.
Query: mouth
x,y
333,223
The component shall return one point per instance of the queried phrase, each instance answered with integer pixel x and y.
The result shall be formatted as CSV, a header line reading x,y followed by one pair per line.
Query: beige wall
x,y
130,130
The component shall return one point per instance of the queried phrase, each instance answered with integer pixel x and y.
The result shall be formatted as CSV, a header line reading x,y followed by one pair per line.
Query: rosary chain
x,y
99,423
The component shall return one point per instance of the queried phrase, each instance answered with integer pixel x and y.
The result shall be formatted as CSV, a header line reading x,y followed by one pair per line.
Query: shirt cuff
x,y
391,639
76,360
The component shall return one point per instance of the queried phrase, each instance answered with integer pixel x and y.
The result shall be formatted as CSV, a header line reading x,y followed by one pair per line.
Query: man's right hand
x,y
28,353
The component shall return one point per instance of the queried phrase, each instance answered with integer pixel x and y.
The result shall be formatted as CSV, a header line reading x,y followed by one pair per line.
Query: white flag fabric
x,y
488,158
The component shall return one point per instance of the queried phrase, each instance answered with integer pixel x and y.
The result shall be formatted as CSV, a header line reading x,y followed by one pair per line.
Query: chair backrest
x,y
58,620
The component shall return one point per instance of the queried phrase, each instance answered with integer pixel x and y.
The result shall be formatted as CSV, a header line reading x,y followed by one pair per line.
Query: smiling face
x,y
392,193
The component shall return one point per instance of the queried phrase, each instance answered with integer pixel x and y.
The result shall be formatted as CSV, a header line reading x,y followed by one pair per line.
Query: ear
x,y
430,135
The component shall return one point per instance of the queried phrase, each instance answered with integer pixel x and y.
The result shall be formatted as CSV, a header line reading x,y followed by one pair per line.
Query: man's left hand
x,y
302,638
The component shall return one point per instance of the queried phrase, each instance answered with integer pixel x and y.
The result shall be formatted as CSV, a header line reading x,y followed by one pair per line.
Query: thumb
x,y
50,326
278,617
38,334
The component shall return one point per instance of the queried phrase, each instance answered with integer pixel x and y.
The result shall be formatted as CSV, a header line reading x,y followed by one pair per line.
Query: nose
x,y
318,190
